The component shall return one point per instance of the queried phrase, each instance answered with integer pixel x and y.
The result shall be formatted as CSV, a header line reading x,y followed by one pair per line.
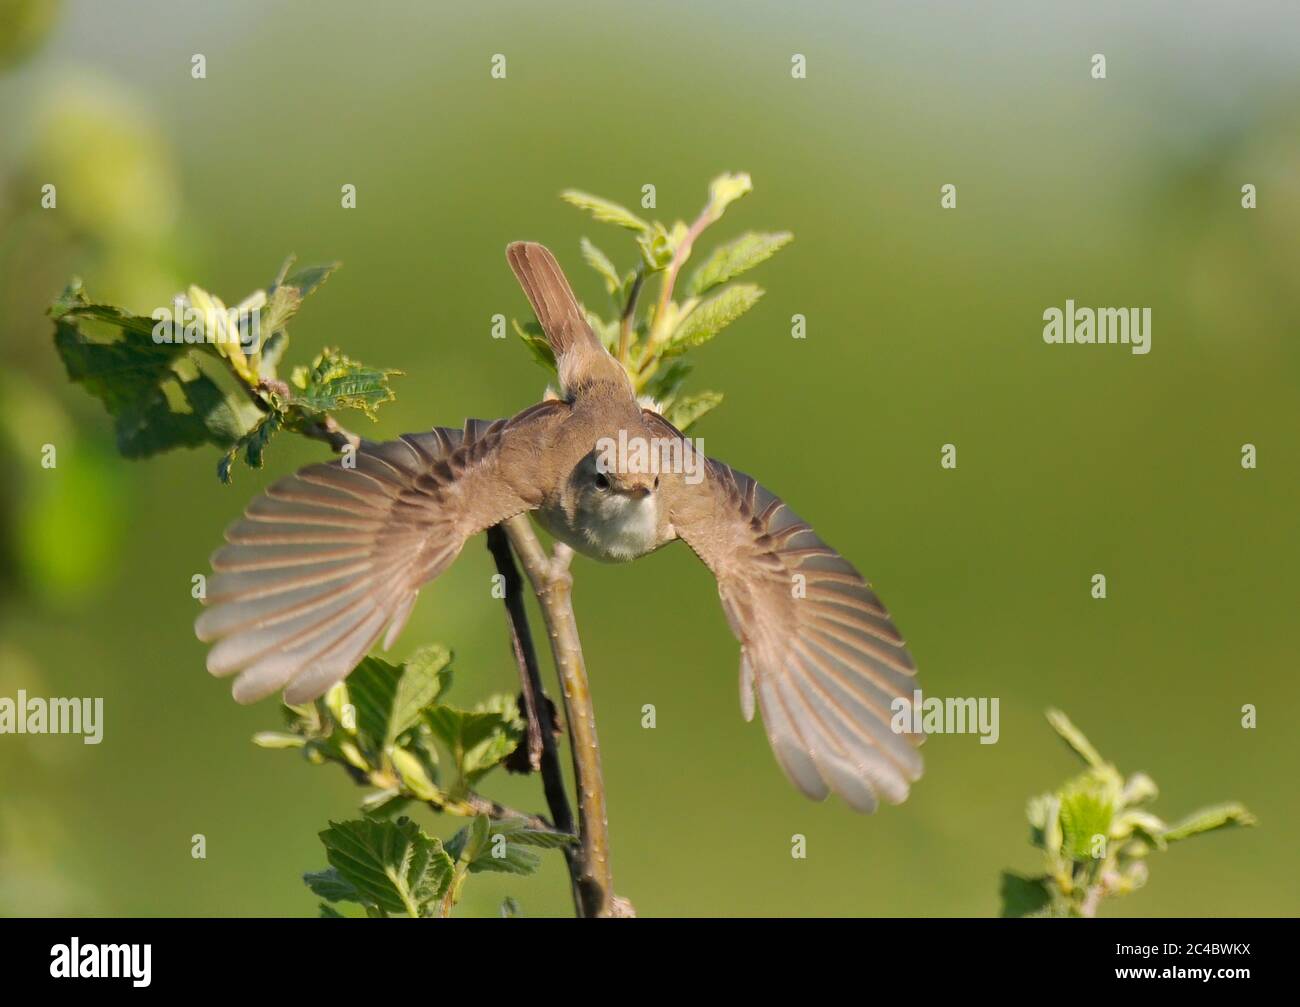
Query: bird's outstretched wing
x,y
325,559
817,646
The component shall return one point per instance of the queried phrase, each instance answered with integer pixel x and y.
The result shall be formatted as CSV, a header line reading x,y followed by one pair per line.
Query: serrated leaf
x,y
730,260
335,381
1085,814
252,446
604,210
712,316
286,294
389,699
393,865
503,846
331,886
1219,816
73,304
690,409
157,398
658,245
477,739
517,830
598,261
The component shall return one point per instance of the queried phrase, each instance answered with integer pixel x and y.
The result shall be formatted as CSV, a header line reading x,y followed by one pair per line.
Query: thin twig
x,y
530,680
480,805
553,585
680,255
627,324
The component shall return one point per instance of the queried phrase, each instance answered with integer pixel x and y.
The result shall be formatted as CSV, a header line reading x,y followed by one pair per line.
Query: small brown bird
x,y
324,560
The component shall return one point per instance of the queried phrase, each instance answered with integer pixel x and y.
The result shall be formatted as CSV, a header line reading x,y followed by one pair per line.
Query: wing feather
x,y
818,648
327,558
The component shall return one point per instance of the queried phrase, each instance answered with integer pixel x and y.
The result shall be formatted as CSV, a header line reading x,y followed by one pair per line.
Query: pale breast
x,y
616,530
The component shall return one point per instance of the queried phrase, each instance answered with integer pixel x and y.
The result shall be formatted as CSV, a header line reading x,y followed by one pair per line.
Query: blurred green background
x,y
924,327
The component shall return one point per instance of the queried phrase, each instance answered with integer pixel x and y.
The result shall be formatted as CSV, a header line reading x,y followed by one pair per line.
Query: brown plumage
x,y
327,560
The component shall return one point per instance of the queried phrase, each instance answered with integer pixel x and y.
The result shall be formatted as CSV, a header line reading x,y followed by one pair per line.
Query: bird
x,y
328,560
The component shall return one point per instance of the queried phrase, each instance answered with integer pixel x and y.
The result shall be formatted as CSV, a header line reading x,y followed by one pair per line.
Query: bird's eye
x,y
602,481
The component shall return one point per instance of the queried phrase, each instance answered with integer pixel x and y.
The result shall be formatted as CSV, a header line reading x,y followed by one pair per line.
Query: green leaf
x,y
533,337
725,190
252,446
278,739
285,296
730,260
390,699
469,843
478,739
1023,896
335,381
598,261
1085,814
1074,738
415,775
658,246
393,865
517,830
503,846
1044,814
1142,824
712,316
331,886
665,384
691,408
603,210
1220,816
157,396
73,304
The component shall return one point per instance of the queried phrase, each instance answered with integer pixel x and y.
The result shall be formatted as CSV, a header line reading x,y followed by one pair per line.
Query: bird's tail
x,y
579,354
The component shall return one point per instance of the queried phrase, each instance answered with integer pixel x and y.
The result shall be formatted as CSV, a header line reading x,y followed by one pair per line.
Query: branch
x,y
553,585
477,804
543,754
328,430
627,324
680,255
